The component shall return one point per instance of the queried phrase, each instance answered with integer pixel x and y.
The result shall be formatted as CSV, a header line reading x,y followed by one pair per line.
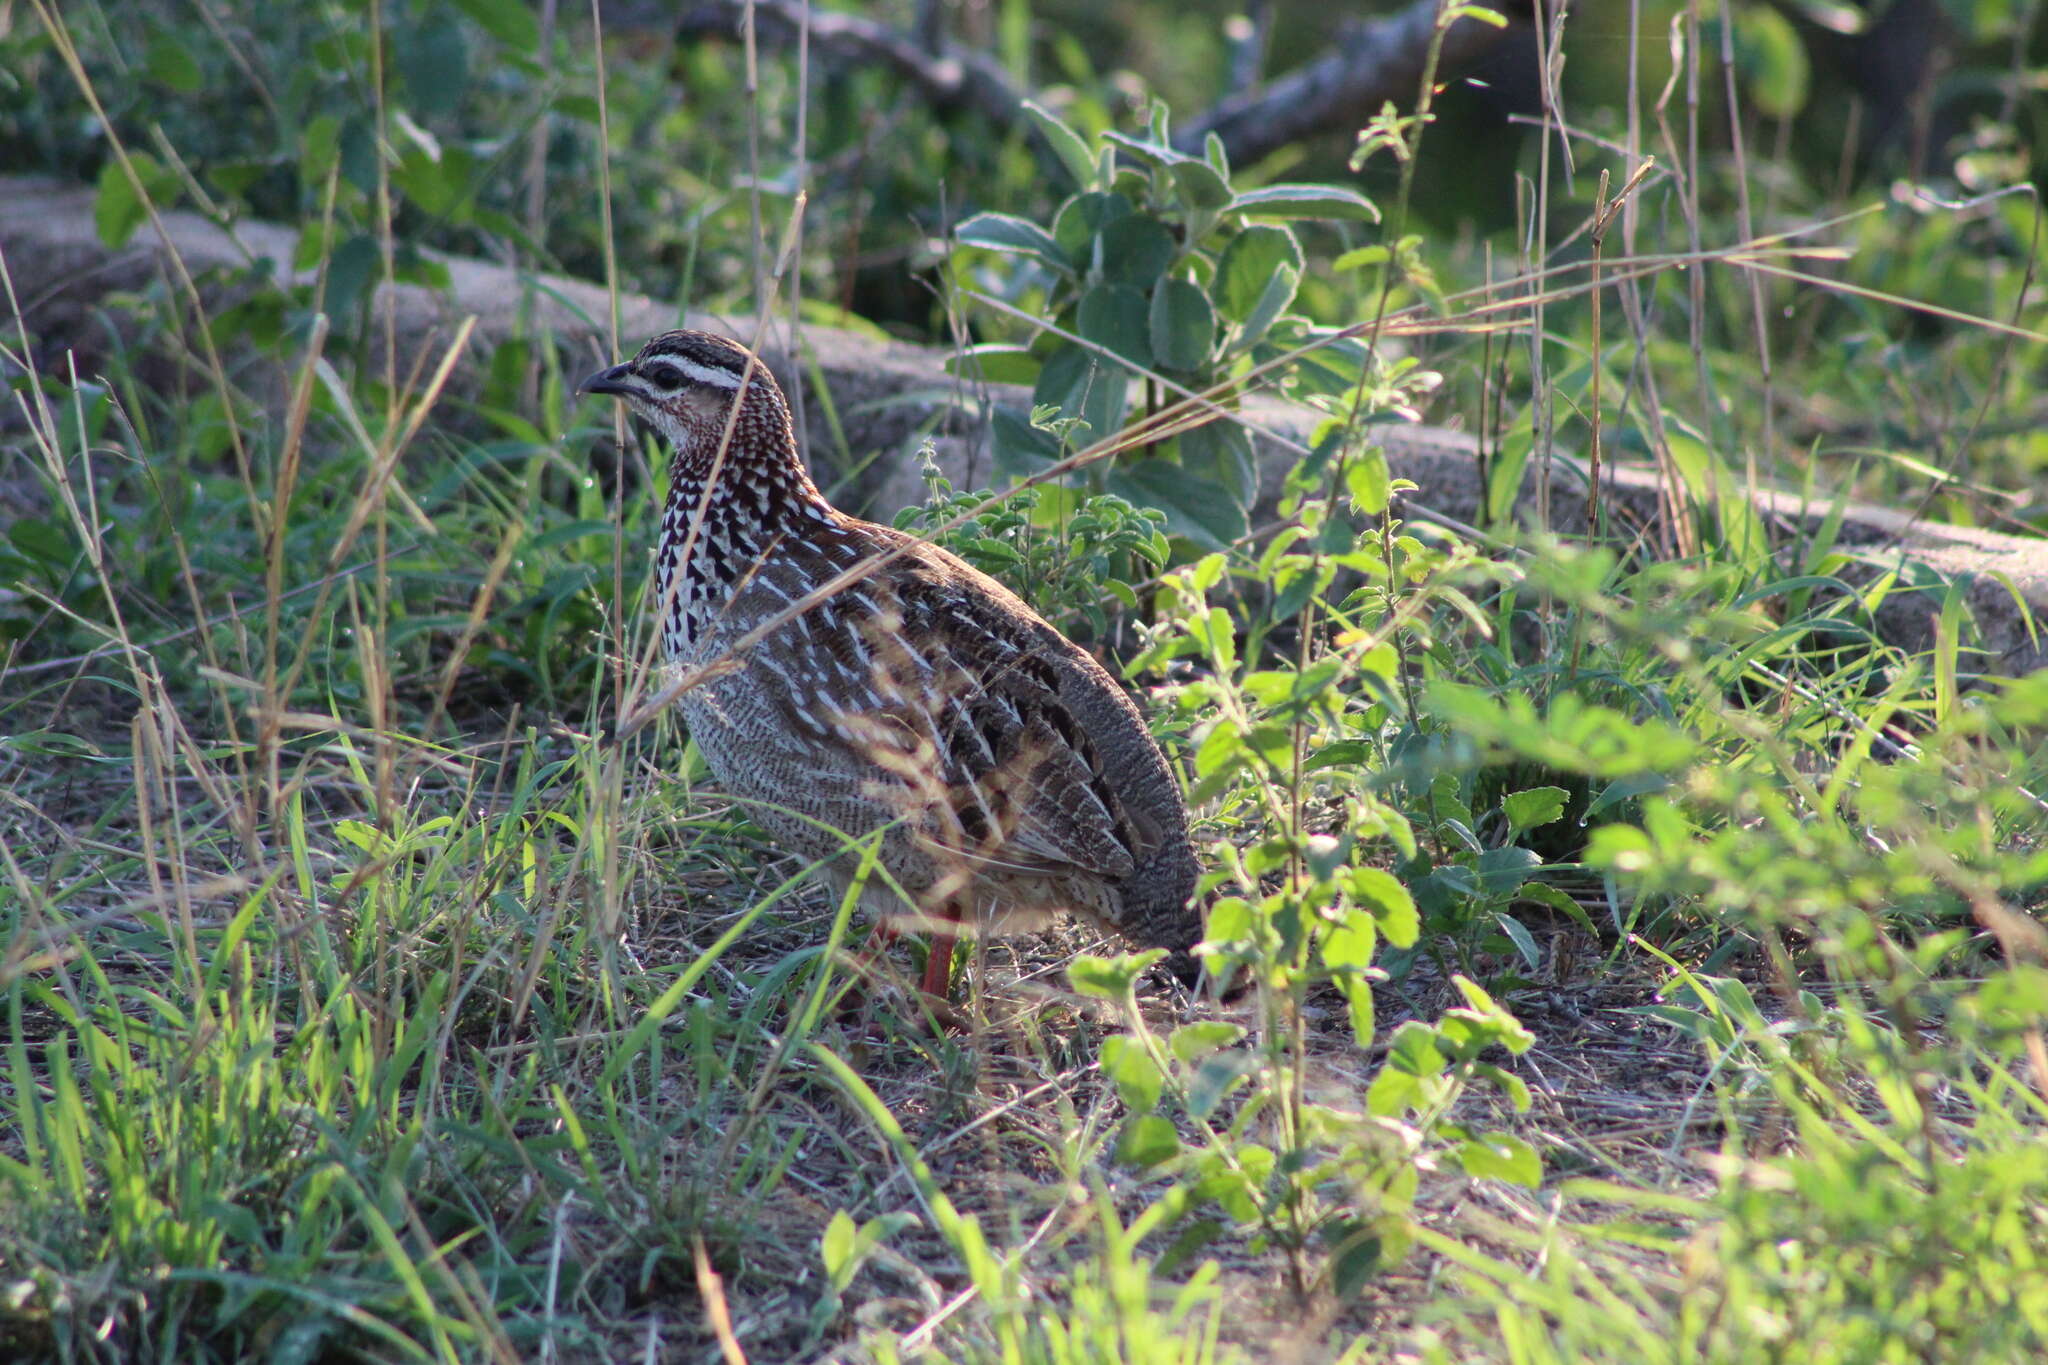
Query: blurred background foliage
x,y
1905,115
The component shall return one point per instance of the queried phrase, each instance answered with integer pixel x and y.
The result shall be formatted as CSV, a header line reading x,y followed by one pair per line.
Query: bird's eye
x,y
667,376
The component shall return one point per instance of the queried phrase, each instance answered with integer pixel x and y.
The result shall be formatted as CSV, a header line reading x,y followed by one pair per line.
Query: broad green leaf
x,y
1391,903
1535,807
170,63
1200,186
1519,935
1131,1069
1020,449
1369,481
117,210
1192,1042
1069,146
1359,1002
1145,150
1213,152
997,363
1110,978
511,22
1272,302
1215,1077
1503,869
1006,232
1147,1140
1208,516
1115,317
1543,893
1772,60
1081,385
1222,450
1360,1250
1183,324
1136,250
835,1248
1501,1156
1348,947
434,61
1080,218
1304,201
1248,265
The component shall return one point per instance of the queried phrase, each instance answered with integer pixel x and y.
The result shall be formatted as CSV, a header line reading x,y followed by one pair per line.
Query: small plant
x,y
1071,553
1155,274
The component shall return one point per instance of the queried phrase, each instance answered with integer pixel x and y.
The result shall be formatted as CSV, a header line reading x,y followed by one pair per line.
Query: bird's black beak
x,y
607,381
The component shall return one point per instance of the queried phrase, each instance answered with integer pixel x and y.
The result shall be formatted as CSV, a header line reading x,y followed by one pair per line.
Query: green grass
x,y
1641,958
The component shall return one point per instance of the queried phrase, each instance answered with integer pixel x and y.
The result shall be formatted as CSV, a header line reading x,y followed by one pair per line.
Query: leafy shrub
x,y
1155,272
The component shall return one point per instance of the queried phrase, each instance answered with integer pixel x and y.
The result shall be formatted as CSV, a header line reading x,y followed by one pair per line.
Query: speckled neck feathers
x,y
736,486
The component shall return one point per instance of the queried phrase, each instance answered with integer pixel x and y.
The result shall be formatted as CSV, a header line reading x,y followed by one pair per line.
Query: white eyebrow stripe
x,y
705,374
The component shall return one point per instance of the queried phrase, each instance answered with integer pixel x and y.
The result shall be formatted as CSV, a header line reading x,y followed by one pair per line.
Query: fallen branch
x,y
1378,61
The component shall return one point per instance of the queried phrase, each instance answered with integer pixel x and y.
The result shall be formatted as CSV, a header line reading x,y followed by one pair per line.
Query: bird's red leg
x,y
938,962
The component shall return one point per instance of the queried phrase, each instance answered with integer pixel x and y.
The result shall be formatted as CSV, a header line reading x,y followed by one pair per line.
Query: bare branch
x,y
1379,61
949,76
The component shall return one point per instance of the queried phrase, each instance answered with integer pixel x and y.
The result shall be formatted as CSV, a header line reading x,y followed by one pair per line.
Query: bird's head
x,y
684,385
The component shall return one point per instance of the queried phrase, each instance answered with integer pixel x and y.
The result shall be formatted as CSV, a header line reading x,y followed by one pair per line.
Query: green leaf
x,y
1221,451
1272,302
1772,60
1535,807
1501,870
1344,753
1115,317
1192,1042
117,210
1214,153
1247,267
1082,385
1183,325
1519,935
1369,481
1081,218
1208,516
1068,145
1020,449
1361,1249
996,363
1136,250
170,64
1200,186
509,21
1501,1156
1145,150
1347,951
1216,1076
1006,232
1543,893
1391,903
1362,256
1147,1140
1131,1069
349,270
1626,789
434,61
1358,999
835,1248
1348,946
1304,201
1110,978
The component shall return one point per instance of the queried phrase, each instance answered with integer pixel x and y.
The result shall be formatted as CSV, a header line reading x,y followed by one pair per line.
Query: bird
x,y
876,687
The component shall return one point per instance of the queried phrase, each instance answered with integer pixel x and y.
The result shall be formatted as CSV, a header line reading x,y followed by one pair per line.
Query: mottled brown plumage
x,y
1010,773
